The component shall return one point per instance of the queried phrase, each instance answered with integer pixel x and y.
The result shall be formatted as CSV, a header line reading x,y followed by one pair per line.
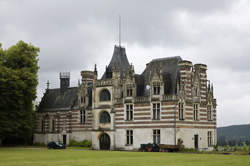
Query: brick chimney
x,y
64,80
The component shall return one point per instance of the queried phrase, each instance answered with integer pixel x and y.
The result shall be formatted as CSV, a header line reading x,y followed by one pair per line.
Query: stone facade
x,y
171,100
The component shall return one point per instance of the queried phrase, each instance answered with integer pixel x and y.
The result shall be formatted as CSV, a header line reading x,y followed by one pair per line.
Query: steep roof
x,y
57,100
170,73
119,59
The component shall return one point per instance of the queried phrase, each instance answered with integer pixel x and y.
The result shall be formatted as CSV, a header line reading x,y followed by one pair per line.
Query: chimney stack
x,y
64,80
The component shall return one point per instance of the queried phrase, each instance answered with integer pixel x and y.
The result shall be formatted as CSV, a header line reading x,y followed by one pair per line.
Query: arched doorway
x,y
104,141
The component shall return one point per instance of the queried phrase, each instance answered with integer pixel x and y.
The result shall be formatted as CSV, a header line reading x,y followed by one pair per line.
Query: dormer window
x,y
129,92
156,88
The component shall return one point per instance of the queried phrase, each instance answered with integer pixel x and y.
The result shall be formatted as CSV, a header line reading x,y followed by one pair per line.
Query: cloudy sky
x,y
75,35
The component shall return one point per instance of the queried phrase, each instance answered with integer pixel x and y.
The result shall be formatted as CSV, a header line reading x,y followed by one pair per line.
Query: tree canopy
x,y
18,82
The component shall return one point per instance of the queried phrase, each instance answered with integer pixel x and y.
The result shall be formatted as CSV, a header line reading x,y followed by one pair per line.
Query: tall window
x,y
156,111
53,125
209,138
129,92
181,112
129,137
43,126
156,89
105,95
82,116
82,100
156,136
196,112
104,117
129,111
209,113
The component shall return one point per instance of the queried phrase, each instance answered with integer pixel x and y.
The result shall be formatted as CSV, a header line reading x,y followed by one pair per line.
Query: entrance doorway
x,y
64,139
104,141
196,141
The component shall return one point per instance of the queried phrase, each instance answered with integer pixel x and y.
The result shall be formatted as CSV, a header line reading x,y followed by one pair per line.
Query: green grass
x,y
82,157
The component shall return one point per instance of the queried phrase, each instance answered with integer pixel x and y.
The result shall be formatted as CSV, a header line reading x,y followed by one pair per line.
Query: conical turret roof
x,y
118,60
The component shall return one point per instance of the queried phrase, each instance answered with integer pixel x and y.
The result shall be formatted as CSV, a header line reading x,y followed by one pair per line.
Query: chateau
x,y
171,100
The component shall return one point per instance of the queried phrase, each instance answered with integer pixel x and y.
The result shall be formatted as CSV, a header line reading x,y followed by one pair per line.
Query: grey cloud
x,y
74,35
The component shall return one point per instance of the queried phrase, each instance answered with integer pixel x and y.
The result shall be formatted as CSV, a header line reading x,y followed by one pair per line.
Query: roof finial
x,y
95,68
47,84
119,31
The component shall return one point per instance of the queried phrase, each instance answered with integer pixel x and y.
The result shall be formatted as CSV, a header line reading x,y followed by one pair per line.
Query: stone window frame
x,y
156,136
129,92
156,111
83,116
53,125
156,88
209,112
43,125
102,118
181,110
209,139
103,97
196,108
129,112
129,137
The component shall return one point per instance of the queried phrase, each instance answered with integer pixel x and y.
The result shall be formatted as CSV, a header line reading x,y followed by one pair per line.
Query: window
x,y
156,90
82,100
209,138
209,113
196,91
156,111
129,137
156,136
129,111
196,111
43,126
105,95
129,92
104,117
53,125
82,116
181,112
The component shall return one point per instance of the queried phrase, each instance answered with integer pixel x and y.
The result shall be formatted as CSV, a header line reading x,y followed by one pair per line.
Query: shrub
x,y
188,150
84,143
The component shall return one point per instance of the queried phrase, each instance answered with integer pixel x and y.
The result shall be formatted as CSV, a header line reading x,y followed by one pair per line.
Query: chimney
x,y
64,80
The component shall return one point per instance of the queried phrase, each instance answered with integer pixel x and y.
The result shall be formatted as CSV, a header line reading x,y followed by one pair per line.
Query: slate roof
x,y
119,59
57,100
170,73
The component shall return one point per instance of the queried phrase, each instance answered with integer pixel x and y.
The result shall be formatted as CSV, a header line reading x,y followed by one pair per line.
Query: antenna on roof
x,y
119,31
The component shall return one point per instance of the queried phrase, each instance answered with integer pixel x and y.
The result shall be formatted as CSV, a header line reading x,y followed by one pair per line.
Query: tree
x,y
18,82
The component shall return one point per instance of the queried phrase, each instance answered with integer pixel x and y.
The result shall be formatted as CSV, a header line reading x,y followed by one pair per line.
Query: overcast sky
x,y
75,35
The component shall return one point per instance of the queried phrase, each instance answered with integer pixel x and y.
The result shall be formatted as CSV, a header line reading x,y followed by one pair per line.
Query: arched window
x,y
104,117
105,95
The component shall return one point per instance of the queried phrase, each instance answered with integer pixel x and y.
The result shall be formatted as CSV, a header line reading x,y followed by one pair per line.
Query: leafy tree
x,y
18,82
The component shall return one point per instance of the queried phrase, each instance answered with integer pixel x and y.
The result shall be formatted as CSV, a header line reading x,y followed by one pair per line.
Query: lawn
x,y
81,157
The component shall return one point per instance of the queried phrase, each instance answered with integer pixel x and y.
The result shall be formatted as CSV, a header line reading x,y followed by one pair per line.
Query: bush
x,y
188,150
84,143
